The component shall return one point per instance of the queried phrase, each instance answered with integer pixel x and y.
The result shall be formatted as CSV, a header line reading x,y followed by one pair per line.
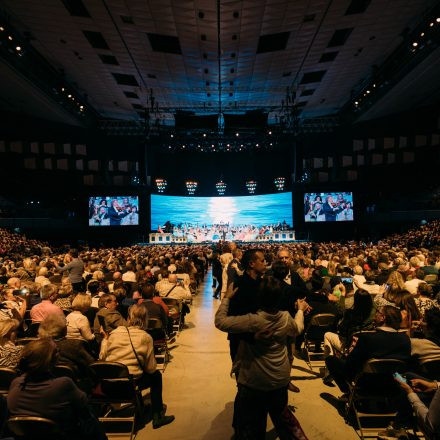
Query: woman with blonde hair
x,y
9,352
133,347
78,326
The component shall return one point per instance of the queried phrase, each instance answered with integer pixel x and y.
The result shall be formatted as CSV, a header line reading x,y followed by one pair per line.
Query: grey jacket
x,y
263,364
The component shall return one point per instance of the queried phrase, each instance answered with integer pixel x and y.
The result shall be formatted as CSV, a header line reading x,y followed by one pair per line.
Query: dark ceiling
x,y
207,56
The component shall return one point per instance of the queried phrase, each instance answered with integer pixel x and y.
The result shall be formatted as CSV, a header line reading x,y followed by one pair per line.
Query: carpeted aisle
x,y
200,393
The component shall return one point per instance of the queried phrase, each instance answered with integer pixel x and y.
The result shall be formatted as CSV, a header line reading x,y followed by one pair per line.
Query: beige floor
x,y
200,393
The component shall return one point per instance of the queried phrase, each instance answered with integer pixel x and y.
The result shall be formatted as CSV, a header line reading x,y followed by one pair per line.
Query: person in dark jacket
x,y
385,343
245,300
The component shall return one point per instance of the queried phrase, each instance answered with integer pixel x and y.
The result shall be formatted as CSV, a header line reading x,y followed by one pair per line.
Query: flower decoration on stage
x,y
161,185
221,187
191,186
279,183
251,186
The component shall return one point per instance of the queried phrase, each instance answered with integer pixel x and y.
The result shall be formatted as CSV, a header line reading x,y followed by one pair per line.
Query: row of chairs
x,y
115,400
373,393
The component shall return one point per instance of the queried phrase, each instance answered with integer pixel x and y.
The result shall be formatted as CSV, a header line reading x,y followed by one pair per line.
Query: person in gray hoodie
x,y
262,367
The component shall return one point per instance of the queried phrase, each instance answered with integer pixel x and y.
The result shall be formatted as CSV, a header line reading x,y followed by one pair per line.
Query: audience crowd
x,y
70,307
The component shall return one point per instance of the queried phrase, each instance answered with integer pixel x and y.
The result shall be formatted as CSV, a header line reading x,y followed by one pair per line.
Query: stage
x,y
168,238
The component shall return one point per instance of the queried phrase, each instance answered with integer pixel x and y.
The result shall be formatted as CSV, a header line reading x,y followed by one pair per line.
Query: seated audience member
x,y
112,317
46,307
11,306
410,313
419,391
9,352
428,348
385,343
263,366
42,278
430,268
95,292
132,346
424,299
174,289
370,283
78,326
358,277
412,285
38,393
358,318
71,352
154,310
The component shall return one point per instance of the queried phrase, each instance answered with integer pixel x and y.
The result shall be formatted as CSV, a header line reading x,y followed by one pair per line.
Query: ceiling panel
x,y
184,80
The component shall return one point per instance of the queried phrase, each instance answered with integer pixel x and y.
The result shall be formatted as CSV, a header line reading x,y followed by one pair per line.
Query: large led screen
x,y
328,207
114,211
201,219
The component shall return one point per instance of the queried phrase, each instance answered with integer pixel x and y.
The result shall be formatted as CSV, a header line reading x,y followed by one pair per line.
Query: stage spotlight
x,y
220,187
437,19
415,44
2,28
10,38
18,48
356,102
236,134
279,183
161,185
270,132
251,186
172,135
204,135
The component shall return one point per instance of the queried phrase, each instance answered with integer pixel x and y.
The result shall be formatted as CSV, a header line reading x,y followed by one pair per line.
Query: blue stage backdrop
x,y
328,207
221,218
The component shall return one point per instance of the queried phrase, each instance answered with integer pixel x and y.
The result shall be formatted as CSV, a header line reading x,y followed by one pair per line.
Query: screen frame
x,y
107,227
290,192
325,222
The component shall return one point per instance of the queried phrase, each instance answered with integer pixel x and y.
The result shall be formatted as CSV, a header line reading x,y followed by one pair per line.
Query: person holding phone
x,y
424,400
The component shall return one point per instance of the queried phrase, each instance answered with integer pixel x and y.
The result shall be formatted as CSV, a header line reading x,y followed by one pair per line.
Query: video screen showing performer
x,y
114,211
328,207
210,219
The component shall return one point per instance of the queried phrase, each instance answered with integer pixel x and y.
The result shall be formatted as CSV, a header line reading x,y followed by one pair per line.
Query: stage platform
x,y
272,237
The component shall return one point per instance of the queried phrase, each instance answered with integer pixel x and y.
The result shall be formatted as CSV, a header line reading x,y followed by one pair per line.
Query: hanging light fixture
x,y
161,185
251,186
191,186
221,187
279,183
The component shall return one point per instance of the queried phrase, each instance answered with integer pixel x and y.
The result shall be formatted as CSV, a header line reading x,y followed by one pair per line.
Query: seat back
x,y
7,375
63,370
24,341
109,370
323,320
430,369
319,325
154,324
431,278
384,366
27,427
33,329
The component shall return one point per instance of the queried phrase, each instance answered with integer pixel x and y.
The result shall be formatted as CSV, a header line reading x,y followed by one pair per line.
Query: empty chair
x,y
117,388
314,336
160,340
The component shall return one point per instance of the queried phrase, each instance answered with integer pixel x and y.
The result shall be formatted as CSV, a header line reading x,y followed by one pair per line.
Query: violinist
x,y
116,213
330,209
